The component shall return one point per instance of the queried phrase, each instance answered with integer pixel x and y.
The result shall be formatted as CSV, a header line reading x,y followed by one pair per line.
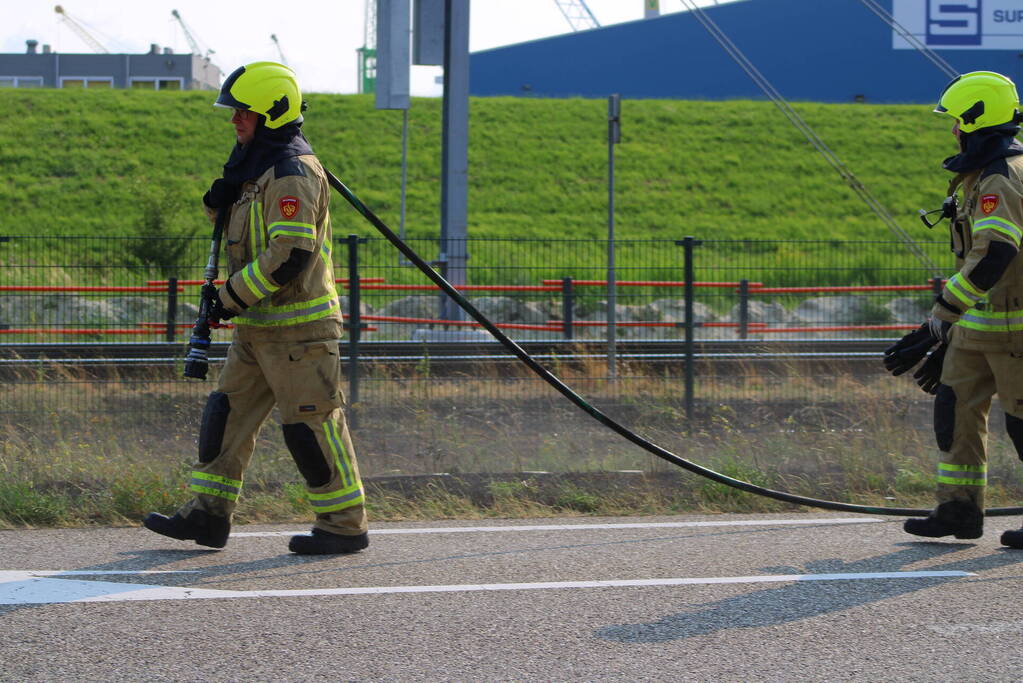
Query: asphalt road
x,y
796,597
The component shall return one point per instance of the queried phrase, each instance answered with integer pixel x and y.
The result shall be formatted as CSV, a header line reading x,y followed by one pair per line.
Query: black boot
x,y
198,526
325,543
955,518
1013,538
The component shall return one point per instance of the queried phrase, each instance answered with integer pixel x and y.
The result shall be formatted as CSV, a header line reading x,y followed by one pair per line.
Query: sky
x,y
319,38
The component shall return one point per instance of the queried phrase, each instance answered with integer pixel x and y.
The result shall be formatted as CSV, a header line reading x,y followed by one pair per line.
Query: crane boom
x,y
80,30
273,37
577,14
193,44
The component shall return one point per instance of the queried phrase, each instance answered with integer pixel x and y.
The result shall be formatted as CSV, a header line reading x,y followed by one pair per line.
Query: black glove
x,y
901,356
929,374
218,312
221,194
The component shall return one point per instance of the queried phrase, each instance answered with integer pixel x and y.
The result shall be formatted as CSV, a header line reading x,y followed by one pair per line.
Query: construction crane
x,y
193,44
273,37
80,30
367,54
577,14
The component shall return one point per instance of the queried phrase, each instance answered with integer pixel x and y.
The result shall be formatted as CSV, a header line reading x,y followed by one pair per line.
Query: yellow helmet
x,y
267,88
980,99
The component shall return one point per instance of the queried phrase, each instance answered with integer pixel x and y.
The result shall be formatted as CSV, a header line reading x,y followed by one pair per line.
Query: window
x,y
21,81
142,83
87,82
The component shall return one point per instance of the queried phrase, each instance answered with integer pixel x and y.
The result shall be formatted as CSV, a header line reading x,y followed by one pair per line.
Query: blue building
x,y
811,50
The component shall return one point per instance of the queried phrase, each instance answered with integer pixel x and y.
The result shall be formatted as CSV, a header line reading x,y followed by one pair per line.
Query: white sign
x,y
960,24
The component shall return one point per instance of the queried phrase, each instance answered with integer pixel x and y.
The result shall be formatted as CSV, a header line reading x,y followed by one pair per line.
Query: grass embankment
x,y
99,163
113,467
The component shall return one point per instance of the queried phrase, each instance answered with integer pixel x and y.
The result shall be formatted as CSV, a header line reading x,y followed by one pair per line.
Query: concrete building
x,y
156,70
811,50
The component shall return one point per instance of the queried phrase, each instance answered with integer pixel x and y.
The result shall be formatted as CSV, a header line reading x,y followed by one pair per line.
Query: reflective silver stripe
x,y
255,314
340,500
253,277
999,225
960,287
992,321
205,484
340,453
962,475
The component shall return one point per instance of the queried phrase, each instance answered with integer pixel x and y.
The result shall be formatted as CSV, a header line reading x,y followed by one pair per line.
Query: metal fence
x,y
696,322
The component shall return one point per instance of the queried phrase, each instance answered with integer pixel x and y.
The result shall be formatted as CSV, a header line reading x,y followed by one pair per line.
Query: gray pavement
x,y
784,597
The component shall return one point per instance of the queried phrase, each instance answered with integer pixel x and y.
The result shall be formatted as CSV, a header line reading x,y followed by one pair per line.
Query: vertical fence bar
x,y
687,246
743,309
354,325
172,308
567,307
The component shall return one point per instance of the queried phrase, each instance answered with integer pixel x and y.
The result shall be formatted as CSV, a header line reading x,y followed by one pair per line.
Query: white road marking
x,y
24,587
583,527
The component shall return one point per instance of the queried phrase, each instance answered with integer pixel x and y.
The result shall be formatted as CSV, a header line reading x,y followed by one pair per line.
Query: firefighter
x,y
978,317
281,297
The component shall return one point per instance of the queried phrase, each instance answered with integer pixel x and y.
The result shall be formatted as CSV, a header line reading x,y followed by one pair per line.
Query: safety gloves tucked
x,y
903,355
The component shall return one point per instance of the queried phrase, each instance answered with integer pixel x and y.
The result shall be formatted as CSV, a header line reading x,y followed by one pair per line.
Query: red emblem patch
x,y
289,206
988,203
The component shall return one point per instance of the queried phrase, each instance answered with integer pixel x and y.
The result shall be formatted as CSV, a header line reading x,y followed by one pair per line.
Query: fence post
x,y
567,307
743,309
687,245
354,326
172,308
936,286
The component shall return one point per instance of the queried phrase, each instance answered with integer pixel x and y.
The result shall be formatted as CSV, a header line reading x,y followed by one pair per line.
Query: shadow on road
x,y
804,599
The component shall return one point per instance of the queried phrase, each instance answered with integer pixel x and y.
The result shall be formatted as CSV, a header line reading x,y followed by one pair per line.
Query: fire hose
x,y
594,412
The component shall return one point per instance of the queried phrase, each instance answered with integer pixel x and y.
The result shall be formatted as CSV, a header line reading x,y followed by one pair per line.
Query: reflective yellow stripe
x,y
962,475
290,314
999,225
256,281
337,447
215,485
959,287
336,500
282,228
992,321
255,228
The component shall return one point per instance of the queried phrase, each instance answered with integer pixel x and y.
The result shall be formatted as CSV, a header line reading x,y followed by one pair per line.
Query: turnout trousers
x,y
303,379
970,378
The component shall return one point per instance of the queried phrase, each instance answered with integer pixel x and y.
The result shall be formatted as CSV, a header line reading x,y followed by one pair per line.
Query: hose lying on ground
x,y
575,398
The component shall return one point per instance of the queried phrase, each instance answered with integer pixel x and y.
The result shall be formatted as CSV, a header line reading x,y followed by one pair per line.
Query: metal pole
x,y
354,325
687,245
172,308
614,135
743,309
567,304
455,151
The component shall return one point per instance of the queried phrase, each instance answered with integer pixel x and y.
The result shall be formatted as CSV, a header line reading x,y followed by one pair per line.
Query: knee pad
x,y
944,417
307,454
1014,426
214,420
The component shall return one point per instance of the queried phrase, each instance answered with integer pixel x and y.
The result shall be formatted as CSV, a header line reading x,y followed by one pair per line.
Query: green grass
x,y
96,163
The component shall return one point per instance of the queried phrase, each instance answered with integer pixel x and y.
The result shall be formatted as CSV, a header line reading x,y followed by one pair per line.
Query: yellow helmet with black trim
x,y
980,99
267,88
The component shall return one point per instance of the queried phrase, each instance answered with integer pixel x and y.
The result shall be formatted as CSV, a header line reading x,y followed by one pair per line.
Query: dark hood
x,y
983,146
267,147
